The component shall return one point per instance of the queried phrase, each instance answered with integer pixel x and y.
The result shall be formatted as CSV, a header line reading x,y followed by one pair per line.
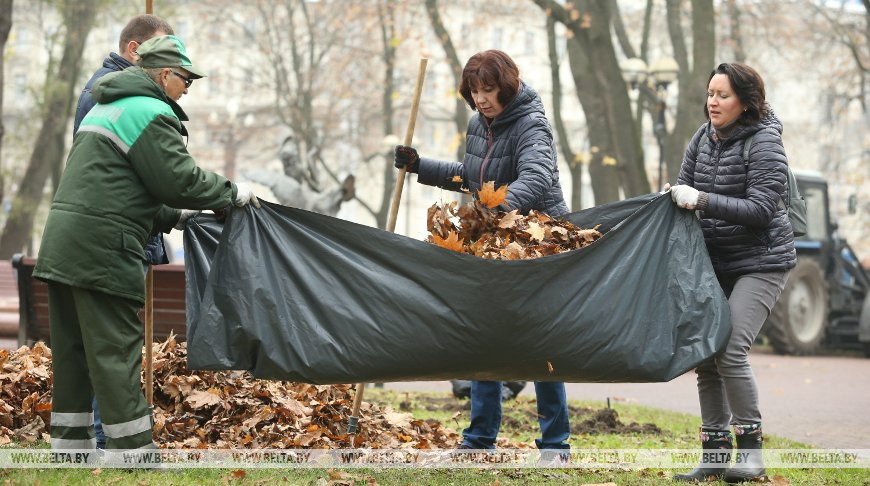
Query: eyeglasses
x,y
187,81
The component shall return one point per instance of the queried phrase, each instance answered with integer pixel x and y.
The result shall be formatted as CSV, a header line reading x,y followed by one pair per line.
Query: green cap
x,y
166,51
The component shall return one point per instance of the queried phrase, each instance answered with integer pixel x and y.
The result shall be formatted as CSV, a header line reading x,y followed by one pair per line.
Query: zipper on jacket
x,y
490,145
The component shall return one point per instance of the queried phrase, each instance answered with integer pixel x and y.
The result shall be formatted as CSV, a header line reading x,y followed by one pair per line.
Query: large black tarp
x,y
293,295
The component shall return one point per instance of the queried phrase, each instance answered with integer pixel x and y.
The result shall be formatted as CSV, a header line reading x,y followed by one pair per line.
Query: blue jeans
x,y
486,415
98,427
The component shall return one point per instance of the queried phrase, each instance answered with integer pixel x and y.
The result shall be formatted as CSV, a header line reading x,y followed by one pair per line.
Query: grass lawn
x,y
637,427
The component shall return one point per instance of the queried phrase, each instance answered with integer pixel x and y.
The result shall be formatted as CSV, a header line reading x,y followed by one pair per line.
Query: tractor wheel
x,y
798,320
864,324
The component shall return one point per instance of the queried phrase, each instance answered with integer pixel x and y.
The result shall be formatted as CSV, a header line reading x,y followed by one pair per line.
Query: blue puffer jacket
x,y
745,226
516,149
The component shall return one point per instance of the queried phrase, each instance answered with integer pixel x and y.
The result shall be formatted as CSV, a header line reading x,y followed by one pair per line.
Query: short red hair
x,y
490,68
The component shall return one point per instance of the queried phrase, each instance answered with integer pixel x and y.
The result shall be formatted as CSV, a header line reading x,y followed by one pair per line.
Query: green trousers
x,y
96,347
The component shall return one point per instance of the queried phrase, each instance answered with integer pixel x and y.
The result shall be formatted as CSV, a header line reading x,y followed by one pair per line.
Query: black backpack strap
x,y
746,146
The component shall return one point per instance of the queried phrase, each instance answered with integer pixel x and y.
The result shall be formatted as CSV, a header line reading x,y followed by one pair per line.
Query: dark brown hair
x,y
749,88
141,28
490,68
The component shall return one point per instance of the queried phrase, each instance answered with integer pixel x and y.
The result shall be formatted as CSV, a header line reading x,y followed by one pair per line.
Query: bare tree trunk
x,y
736,36
605,179
619,29
5,26
692,80
47,155
460,114
388,32
575,166
644,54
604,96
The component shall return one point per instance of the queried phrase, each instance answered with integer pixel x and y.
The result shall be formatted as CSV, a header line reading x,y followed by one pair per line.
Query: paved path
x,y
820,400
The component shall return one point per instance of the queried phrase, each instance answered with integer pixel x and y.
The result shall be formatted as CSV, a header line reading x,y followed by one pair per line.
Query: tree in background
x,y
5,27
460,114
574,160
694,71
614,132
50,147
617,159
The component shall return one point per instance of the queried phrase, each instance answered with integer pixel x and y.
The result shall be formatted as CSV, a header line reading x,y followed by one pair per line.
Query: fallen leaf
x,y
199,398
489,196
452,242
510,219
550,367
535,231
456,178
239,473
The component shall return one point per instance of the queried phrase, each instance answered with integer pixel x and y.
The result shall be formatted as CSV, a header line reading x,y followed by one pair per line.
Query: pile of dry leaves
x,y
488,233
204,409
25,393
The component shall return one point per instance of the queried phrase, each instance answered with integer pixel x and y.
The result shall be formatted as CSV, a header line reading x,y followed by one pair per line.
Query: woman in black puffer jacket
x,y
741,206
508,142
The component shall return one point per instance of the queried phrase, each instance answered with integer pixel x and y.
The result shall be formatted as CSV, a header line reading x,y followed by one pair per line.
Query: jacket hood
x,y
525,102
132,81
770,120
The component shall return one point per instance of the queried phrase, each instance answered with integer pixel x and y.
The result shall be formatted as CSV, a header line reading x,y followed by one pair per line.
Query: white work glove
x,y
685,196
185,215
666,188
245,195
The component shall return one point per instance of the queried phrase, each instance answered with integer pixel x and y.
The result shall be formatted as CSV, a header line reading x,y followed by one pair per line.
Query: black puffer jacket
x,y
517,149
745,227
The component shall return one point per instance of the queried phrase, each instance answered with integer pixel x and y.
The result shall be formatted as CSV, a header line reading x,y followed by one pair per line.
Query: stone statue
x,y
298,186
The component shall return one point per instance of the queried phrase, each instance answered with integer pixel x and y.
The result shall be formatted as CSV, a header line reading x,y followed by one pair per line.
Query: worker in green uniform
x,y
127,169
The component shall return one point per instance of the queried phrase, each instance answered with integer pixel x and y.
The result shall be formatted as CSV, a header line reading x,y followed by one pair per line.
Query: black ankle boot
x,y
749,465
715,457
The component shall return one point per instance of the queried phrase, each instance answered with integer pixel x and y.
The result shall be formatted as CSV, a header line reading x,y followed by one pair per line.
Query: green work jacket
x,y
127,169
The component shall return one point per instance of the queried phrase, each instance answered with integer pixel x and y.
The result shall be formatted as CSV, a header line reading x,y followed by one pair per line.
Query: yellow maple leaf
x,y
489,196
456,178
452,242
608,160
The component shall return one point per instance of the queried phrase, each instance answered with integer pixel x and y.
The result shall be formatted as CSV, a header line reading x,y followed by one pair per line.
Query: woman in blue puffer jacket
x,y
741,207
509,142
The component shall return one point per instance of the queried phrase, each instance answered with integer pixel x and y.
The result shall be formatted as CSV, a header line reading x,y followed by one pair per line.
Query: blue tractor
x,y
825,301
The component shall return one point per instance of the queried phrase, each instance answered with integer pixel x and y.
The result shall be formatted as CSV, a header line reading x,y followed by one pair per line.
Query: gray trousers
x,y
726,385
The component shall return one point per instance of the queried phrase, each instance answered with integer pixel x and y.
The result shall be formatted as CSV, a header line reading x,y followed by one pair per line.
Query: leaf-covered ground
x,y
205,409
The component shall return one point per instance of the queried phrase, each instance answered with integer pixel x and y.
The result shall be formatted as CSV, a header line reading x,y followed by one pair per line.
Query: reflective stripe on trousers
x,y
77,419
126,429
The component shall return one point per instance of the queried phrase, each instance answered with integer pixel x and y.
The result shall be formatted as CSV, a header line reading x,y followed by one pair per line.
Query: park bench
x,y
169,304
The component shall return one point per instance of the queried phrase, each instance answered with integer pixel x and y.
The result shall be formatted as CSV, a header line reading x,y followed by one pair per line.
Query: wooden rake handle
x,y
391,222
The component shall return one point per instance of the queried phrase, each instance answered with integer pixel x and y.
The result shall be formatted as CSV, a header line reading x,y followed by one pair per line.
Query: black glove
x,y
407,157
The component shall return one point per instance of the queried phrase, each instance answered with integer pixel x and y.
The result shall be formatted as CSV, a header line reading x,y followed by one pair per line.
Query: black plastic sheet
x,y
293,295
